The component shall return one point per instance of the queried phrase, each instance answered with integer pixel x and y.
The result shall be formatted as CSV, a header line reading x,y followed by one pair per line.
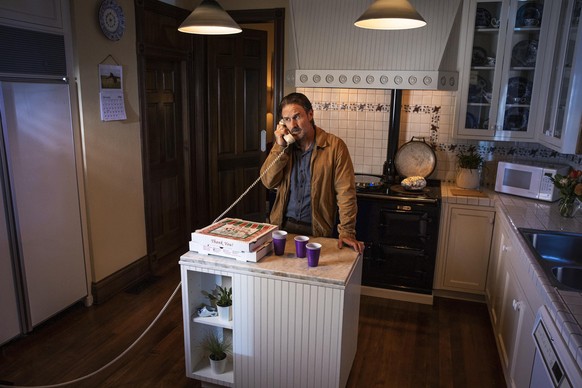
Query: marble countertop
x,y
335,265
565,306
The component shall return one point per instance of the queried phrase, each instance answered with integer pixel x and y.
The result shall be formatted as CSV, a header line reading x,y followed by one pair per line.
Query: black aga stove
x,y
400,230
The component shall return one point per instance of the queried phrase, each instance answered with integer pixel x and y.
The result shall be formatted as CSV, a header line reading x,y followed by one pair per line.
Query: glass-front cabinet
x,y
561,114
501,70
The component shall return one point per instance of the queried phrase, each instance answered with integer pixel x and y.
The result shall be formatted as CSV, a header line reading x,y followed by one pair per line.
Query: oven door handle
x,y
404,215
403,249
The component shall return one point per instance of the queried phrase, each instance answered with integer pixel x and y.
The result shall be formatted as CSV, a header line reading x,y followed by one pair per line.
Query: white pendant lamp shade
x,y
209,18
390,15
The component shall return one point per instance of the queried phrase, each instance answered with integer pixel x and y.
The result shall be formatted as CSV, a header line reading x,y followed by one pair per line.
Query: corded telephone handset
x,y
287,137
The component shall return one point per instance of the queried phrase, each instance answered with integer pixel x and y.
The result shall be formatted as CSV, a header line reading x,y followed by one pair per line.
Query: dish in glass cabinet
x,y
478,86
482,18
524,53
529,15
471,121
516,119
479,57
519,90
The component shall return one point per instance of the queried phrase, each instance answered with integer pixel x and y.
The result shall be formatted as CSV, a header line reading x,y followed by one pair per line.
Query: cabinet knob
x,y
516,305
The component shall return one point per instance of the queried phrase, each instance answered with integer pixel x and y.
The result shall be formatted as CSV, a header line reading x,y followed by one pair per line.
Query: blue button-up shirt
x,y
299,206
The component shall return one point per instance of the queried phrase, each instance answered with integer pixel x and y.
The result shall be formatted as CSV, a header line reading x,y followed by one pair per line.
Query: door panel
x,y
165,156
237,114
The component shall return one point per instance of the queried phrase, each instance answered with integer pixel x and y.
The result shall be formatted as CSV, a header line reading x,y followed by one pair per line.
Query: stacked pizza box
x,y
234,238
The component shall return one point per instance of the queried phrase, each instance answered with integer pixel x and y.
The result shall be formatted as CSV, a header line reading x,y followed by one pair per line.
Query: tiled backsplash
x,y
361,116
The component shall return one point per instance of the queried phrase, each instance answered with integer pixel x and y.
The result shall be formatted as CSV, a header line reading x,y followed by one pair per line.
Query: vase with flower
x,y
570,187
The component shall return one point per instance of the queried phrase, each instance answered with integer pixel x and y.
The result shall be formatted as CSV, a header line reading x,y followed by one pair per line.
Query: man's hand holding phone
x,y
282,135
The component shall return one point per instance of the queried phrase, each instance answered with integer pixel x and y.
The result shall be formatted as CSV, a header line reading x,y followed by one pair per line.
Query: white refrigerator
x,y
42,264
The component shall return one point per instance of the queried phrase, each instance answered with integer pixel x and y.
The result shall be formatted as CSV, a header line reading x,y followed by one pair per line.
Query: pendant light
x,y
209,18
390,15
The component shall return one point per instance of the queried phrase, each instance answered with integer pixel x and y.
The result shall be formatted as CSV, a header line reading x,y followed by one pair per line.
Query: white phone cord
x,y
163,308
110,362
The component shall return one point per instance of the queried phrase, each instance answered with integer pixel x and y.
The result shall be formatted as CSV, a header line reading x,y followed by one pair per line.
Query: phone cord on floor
x,y
112,361
167,303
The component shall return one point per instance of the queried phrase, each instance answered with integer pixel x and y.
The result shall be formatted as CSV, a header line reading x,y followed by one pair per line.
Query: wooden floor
x,y
401,344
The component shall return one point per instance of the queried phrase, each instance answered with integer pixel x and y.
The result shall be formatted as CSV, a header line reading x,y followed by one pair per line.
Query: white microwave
x,y
529,179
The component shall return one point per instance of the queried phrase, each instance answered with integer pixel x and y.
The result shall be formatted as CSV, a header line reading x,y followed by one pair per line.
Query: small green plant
x,y
220,296
217,347
471,159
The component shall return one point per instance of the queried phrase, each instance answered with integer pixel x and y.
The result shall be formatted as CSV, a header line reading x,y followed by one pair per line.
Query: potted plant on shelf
x,y
221,297
469,168
217,349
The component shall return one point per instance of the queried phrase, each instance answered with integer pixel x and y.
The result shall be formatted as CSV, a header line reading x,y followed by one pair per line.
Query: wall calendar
x,y
111,93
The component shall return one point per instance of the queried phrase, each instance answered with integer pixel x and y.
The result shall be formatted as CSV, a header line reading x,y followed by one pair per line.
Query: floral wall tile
x,y
361,118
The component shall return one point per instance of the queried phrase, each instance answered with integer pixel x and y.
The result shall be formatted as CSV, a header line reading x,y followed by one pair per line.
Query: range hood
x,y
329,51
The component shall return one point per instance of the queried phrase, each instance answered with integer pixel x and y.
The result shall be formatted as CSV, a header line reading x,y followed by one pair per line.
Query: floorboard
x,y
400,344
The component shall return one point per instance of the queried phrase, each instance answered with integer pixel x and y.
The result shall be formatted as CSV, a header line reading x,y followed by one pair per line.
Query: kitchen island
x,y
292,325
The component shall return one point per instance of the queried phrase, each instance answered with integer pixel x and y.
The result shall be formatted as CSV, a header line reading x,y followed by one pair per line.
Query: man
x,y
314,177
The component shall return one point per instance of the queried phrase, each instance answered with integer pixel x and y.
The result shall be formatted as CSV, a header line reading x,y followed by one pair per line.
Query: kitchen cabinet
x,y
512,302
292,325
561,115
465,244
40,15
500,71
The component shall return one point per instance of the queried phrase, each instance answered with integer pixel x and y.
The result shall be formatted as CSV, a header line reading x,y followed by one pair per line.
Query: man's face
x,y
297,121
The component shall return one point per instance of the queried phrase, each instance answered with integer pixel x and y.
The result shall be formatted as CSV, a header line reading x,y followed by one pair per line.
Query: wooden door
x,y
165,161
237,91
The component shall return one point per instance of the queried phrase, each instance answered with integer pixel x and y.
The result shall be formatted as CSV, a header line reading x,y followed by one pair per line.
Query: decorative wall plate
x,y
111,19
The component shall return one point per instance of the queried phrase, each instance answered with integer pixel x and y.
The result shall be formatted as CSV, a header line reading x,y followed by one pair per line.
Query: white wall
x,y
112,150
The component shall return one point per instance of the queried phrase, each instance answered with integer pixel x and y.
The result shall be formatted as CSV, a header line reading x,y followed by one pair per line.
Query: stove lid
x,y
415,158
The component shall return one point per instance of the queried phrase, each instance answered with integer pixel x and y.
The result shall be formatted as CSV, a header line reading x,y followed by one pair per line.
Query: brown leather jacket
x,y
332,185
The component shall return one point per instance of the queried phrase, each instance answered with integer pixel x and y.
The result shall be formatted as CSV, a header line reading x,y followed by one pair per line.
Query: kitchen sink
x,y
559,254
569,276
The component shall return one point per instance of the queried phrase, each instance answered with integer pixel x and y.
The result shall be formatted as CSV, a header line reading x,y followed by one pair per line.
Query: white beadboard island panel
x,y
291,328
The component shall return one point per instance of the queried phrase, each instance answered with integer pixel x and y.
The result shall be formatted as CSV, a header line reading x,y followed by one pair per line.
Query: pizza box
x,y
235,235
254,256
